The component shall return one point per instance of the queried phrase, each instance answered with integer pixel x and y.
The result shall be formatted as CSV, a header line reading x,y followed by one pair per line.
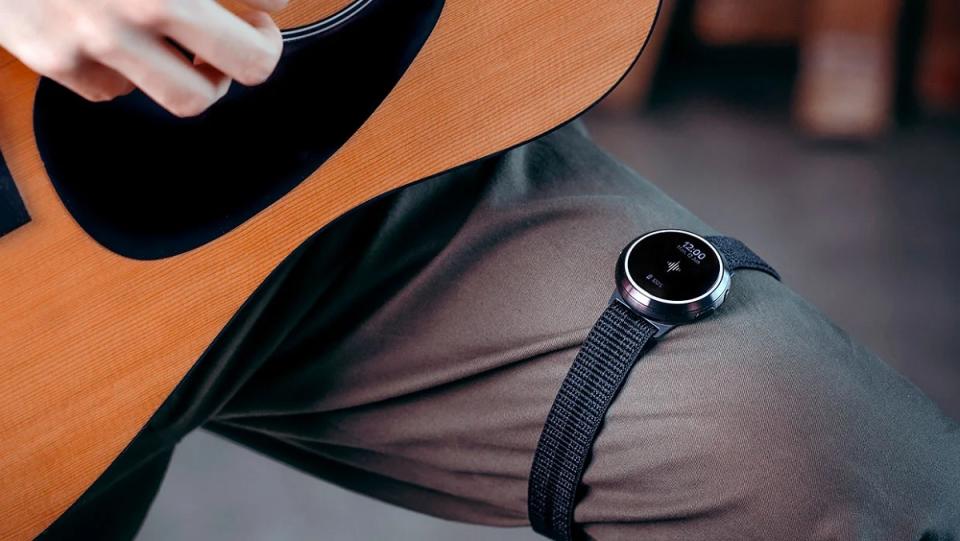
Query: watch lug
x,y
662,328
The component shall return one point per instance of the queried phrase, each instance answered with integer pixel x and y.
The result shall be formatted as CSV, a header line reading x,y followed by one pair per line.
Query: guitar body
x,y
145,236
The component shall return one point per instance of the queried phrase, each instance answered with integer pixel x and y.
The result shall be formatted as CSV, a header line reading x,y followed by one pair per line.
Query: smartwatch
x,y
664,278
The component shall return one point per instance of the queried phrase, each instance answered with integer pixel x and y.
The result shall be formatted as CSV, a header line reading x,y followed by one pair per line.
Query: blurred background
x,y
824,133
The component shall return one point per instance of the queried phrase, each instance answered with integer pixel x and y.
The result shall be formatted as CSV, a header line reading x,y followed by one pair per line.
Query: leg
x,y
769,423
411,351
764,421
117,506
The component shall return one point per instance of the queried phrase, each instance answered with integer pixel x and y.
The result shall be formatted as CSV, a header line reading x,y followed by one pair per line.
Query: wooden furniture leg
x,y
846,83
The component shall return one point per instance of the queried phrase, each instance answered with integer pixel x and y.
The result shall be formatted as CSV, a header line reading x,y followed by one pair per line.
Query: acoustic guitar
x,y
129,238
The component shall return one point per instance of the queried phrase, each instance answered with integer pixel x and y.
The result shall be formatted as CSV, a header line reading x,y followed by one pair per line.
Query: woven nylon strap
x,y
598,372
613,346
738,256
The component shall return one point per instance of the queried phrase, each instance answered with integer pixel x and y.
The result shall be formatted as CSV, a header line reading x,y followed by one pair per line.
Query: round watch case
x,y
663,310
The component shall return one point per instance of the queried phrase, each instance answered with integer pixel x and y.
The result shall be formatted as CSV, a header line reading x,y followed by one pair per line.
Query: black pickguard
x,y
147,185
13,213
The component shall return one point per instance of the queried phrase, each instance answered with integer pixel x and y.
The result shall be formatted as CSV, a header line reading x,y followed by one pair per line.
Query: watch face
x,y
673,266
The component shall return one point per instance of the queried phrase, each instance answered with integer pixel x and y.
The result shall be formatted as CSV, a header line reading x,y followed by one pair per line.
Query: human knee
x,y
768,422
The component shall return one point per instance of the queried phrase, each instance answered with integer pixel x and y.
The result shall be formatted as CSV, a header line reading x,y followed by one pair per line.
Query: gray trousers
x,y
411,352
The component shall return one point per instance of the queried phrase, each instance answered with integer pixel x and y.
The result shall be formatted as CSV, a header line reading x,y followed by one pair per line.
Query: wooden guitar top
x,y
91,343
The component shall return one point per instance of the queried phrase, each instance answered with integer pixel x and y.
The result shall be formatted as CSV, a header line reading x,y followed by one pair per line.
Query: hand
x,y
102,49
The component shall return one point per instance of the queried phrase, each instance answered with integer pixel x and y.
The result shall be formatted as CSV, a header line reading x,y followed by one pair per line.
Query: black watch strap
x,y
739,256
599,370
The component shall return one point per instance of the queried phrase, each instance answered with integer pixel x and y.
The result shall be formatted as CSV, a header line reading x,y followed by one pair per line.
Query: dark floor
x,y
869,234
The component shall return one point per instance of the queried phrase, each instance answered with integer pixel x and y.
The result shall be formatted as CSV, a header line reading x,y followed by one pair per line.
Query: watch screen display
x,y
673,266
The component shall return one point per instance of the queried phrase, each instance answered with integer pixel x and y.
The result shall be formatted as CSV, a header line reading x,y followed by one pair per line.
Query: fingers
x,y
94,81
164,74
101,49
265,5
245,47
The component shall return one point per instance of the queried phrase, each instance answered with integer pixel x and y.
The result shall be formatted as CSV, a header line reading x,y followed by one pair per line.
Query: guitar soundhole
x,y
147,185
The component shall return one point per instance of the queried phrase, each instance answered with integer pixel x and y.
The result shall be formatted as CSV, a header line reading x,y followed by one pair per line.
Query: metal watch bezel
x,y
667,311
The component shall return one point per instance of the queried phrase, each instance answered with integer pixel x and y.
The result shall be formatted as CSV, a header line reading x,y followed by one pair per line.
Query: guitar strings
x,y
328,24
